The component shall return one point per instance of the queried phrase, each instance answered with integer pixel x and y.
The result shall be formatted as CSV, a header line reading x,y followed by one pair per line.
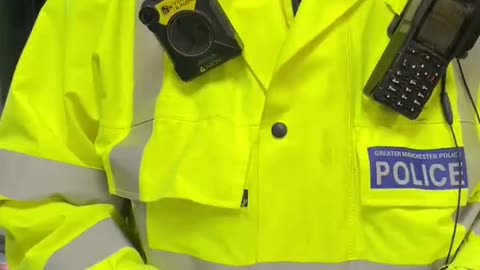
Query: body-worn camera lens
x,y
196,35
190,33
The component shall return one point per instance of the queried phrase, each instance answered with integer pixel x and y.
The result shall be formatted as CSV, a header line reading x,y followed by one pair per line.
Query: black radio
x,y
427,36
196,35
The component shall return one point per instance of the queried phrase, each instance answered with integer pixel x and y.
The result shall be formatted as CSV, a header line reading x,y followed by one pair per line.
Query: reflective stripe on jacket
x,y
98,117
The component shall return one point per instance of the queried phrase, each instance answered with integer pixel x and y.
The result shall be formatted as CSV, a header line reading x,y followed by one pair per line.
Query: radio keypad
x,y
411,82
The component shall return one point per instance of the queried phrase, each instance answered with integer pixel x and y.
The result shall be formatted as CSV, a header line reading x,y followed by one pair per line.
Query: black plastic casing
x,y
397,81
225,44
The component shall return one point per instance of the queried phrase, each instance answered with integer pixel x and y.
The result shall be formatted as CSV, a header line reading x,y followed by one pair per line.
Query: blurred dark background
x,y
16,21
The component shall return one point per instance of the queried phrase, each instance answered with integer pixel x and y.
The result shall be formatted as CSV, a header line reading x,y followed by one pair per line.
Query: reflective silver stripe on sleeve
x,y
469,217
126,157
171,261
476,227
27,178
125,161
90,248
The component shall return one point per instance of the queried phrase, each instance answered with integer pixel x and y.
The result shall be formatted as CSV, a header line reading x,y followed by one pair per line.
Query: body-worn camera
x,y
196,34
425,38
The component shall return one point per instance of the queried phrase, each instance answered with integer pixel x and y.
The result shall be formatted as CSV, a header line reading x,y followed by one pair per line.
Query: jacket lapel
x,y
396,5
313,19
262,27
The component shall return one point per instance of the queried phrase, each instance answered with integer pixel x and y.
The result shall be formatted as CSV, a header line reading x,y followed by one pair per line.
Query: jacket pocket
x,y
202,161
408,178
411,165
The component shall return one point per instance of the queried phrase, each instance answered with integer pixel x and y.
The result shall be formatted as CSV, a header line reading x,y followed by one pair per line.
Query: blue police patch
x,y
402,168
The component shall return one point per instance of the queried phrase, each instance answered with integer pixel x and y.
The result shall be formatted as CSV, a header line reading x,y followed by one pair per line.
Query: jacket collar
x,y
263,27
269,42
396,5
314,18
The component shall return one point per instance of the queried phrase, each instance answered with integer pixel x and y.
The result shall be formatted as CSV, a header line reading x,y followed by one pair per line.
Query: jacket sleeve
x,y
54,201
468,255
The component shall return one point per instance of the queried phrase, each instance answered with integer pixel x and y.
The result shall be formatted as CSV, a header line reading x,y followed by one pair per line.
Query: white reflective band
x,y
171,261
27,178
125,158
469,217
148,71
125,161
90,248
476,227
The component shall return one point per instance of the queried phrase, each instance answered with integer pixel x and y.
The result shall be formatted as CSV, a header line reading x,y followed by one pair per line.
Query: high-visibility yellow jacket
x,y
275,160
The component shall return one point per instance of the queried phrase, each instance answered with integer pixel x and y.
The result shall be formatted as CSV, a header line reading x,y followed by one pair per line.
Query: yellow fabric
x,y
53,112
36,230
72,101
397,5
468,257
309,192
